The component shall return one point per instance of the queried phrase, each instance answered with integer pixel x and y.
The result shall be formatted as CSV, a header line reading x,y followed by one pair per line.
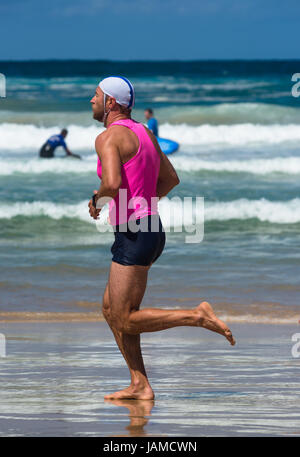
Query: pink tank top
x,y
137,194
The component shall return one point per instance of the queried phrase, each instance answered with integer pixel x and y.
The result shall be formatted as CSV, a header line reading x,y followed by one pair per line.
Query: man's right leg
x,y
130,348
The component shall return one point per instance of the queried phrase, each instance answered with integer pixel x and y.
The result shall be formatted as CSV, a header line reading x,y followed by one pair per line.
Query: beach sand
x,y
55,375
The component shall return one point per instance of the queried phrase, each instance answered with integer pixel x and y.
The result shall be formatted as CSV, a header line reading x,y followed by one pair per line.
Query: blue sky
x,y
149,30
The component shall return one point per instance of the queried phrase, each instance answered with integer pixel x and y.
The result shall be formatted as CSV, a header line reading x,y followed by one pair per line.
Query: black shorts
x,y
47,151
141,247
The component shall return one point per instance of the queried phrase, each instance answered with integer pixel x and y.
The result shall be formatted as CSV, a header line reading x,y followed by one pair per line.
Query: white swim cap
x,y
119,88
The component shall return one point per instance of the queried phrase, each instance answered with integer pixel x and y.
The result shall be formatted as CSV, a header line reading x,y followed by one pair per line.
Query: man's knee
x,y
121,322
106,312
106,307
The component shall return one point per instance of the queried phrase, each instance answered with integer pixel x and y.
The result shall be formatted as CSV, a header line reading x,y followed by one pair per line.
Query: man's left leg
x,y
125,298
127,286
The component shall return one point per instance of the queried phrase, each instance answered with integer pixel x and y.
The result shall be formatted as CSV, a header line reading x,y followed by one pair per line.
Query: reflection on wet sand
x,y
55,376
138,412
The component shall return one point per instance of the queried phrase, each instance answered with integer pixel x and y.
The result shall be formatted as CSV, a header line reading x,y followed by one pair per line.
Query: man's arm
x,y
69,153
111,181
64,145
167,178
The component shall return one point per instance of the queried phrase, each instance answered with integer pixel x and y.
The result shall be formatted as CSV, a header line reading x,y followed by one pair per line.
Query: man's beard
x,y
98,116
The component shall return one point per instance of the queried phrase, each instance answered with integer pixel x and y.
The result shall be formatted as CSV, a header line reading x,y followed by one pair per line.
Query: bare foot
x,y
134,393
209,320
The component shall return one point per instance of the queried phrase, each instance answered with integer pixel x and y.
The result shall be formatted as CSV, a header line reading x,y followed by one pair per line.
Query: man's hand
x,y
94,212
76,155
69,153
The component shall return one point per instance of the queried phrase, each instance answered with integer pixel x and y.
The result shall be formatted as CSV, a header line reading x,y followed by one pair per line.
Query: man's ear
x,y
113,103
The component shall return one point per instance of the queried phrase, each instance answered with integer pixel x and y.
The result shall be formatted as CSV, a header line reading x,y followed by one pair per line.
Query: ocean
x,y
238,128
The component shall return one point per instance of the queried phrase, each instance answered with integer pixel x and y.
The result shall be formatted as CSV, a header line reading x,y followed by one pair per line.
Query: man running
x,y
130,161
152,123
47,150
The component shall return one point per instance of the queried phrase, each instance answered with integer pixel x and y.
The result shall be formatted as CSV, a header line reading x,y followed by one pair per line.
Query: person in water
x,y
126,151
152,123
47,150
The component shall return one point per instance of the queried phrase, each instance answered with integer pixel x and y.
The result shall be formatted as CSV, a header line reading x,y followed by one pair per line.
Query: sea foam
x,y
29,137
182,162
171,211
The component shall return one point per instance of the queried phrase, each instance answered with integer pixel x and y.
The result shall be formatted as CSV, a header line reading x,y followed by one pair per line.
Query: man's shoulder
x,y
101,137
109,137
116,133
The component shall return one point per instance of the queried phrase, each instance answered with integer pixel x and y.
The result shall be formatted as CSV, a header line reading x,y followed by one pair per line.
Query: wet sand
x,y
56,374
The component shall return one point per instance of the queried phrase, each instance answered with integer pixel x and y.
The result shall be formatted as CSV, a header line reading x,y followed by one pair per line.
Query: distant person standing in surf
x,y
166,145
152,123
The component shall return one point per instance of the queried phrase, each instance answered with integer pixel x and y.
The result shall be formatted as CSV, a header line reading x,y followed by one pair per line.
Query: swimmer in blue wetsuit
x,y
152,123
47,150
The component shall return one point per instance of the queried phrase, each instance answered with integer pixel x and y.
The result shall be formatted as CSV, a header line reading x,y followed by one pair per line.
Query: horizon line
x,y
277,59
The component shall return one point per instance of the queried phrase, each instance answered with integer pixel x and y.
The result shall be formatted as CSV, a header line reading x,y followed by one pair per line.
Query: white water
x,y
287,165
29,137
171,210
